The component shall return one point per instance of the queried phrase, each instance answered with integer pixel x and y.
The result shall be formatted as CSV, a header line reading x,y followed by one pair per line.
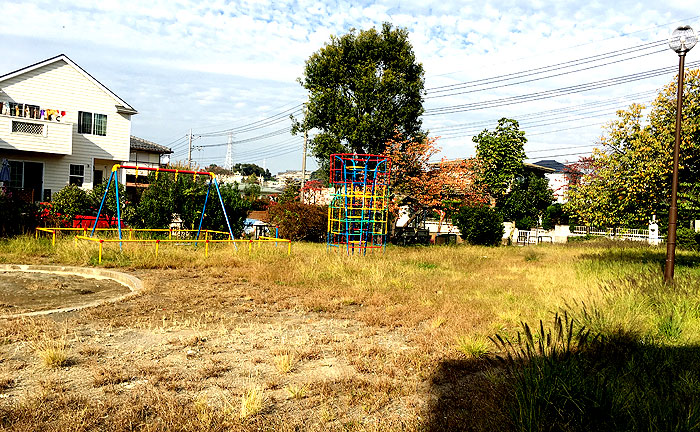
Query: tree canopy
x,y
628,179
420,184
246,170
501,153
363,86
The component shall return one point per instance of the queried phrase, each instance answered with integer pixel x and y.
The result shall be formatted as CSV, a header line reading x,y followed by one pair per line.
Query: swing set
x,y
210,236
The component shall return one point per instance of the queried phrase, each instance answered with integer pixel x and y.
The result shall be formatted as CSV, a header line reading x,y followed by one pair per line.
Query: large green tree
x,y
628,179
501,153
529,197
364,87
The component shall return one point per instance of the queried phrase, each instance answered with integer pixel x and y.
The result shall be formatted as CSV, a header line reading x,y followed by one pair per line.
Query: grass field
x,y
413,339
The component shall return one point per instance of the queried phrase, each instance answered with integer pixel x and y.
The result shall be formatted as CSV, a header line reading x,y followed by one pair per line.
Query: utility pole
x,y
303,160
228,163
189,150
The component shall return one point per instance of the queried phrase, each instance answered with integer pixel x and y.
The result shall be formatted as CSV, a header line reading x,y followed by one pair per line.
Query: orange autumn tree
x,y
424,185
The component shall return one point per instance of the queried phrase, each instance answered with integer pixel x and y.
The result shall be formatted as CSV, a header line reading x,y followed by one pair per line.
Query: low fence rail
x,y
620,233
158,236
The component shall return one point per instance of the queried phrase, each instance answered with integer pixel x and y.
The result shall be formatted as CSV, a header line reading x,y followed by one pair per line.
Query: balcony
x,y
33,135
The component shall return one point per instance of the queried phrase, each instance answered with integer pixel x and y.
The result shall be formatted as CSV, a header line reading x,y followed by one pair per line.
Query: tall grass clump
x,y
618,377
252,402
52,352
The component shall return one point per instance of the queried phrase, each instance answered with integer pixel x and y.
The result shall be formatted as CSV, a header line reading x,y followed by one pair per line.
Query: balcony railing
x,y
43,136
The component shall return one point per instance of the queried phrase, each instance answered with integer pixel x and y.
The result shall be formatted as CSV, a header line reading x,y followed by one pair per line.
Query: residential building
x,y
143,153
292,175
59,126
558,180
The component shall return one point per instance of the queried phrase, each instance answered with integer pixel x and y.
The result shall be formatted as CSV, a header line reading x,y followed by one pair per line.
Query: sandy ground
x,y
29,292
208,347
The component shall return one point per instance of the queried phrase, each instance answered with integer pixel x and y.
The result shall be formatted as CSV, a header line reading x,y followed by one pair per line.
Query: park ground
x,y
318,340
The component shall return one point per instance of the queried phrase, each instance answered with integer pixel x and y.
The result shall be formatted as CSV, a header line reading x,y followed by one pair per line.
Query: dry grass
x,y
252,402
296,391
285,362
366,335
53,352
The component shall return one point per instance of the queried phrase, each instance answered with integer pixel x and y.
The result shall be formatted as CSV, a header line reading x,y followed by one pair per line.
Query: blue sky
x,y
215,65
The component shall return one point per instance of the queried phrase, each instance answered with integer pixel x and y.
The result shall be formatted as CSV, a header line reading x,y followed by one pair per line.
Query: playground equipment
x,y
357,215
115,177
157,236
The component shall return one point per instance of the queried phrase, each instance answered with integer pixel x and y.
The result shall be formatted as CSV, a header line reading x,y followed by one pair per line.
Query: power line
x,y
259,124
552,112
537,71
547,94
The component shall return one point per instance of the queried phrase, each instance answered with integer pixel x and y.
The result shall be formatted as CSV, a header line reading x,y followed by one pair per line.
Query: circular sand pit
x,y
36,290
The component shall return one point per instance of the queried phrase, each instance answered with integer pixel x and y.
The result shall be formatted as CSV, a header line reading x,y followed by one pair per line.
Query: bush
x,y
299,221
236,209
71,201
126,211
525,223
480,225
185,197
687,238
554,215
260,204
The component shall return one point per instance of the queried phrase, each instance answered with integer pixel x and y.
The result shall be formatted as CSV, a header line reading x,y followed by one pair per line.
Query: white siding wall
x,y
60,86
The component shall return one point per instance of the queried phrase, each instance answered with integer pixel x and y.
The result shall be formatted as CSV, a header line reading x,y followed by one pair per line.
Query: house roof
x,y
145,145
537,167
122,106
558,167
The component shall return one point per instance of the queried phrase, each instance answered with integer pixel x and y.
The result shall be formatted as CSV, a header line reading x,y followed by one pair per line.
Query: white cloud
x,y
234,59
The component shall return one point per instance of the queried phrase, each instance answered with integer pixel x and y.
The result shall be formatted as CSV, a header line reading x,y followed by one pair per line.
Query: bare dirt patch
x,y
22,292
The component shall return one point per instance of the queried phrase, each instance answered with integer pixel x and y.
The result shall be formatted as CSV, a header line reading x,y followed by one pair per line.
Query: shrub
x,y
71,201
525,223
554,215
299,221
687,238
236,209
480,225
126,210
260,204
185,197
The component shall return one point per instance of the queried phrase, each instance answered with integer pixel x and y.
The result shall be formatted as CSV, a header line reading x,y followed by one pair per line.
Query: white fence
x,y
618,233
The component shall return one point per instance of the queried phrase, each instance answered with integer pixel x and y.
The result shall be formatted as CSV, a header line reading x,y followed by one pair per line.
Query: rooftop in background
x,y
145,145
558,167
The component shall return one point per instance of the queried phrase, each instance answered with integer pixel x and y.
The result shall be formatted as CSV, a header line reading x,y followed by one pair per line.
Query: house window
x,y
100,124
89,123
77,174
84,122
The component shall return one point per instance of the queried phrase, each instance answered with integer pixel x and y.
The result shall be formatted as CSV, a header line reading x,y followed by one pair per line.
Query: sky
x,y
561,69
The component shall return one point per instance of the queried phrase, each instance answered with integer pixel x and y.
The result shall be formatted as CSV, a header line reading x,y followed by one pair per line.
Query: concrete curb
x,y
132,282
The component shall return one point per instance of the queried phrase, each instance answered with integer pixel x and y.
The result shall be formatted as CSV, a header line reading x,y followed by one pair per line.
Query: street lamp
x,y
682,40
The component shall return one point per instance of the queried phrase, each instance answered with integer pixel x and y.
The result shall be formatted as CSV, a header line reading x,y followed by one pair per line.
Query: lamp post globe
x,y
682,40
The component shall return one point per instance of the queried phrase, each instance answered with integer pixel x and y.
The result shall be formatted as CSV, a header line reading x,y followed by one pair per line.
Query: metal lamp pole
x,y
682,40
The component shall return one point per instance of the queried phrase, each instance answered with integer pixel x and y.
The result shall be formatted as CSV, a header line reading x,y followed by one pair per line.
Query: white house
x,y
558,179
59,125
